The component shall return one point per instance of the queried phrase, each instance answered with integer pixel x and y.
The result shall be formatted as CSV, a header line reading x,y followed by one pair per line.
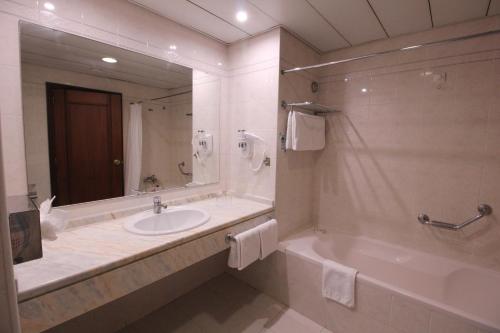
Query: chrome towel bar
x,y
483,210
229,238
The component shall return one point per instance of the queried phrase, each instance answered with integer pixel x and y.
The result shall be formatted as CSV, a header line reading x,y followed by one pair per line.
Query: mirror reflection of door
x,y
85,144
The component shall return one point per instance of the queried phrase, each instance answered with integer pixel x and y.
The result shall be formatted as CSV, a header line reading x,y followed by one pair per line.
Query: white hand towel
x,y
268,238
305,131
245,249
289,131
339,283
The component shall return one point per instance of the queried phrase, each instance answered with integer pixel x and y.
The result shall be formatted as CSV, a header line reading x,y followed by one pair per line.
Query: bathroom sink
x,y
169,221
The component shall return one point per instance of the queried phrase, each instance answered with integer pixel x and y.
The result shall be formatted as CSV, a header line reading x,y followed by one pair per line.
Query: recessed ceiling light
x,y
109,60
219,64
173,47
242,16
364,90
49,6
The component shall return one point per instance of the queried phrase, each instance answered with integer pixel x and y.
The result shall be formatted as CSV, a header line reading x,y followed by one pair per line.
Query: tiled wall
x,y
294,179
253,106
9,318
207,108
419,132
114,22
167,131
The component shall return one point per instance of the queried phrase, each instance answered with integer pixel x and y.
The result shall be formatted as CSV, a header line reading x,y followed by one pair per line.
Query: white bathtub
x,y
467,296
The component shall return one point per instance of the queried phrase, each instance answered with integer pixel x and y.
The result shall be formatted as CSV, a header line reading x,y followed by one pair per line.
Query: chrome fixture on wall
x,y
483,210
181,166
402,49
308,106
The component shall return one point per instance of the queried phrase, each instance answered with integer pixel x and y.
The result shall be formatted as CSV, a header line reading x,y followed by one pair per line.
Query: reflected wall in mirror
x,y
102,122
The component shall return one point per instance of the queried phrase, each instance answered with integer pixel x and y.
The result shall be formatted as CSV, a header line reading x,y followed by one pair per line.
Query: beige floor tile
x,y
291,321
223,304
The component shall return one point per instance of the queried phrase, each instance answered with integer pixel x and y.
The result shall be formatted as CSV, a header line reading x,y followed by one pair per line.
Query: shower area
x,y
167,142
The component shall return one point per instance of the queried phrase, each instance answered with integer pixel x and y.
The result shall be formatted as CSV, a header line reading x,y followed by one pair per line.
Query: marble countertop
x,y
82,252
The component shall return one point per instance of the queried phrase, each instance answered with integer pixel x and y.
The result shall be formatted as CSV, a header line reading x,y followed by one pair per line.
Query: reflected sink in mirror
x,y
169,221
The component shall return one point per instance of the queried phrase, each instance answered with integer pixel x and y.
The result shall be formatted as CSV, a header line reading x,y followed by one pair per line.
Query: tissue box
x,y
25,235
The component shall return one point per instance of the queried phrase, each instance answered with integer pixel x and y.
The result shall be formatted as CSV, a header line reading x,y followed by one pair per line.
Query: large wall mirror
x,y
103,122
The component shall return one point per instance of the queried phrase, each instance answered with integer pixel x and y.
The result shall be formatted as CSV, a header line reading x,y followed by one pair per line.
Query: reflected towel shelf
x,y
308,106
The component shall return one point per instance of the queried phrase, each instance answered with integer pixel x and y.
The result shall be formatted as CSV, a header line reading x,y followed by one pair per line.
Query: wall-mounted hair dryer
x,y
247,143
203,145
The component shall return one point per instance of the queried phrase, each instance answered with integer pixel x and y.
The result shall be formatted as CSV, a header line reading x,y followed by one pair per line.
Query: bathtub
x,y
398,290
445,295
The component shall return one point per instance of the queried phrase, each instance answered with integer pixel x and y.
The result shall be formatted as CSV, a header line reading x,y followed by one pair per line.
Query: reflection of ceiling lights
x,y
49,6
241,16
219,64
173,47
109,60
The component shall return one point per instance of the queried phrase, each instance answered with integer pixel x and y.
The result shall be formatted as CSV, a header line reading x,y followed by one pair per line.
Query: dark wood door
x,y
85,144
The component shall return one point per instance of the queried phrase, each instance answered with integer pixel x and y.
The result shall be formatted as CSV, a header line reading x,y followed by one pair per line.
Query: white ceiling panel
x,y
494,8
227,9
354,19
325,24
453,11
301,18
195,17
402,17
50,48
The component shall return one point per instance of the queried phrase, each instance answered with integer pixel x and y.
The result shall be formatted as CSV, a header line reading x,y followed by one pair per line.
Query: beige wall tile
x,y
409,317
444,324
413,143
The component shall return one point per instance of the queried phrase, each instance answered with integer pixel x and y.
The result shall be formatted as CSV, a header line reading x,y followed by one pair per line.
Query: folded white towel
x,y
305,132
245,249
289,131
268,232
339,282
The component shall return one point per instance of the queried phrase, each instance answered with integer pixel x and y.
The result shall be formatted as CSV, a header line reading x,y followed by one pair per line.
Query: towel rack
x,y
483,210
229,238
309,106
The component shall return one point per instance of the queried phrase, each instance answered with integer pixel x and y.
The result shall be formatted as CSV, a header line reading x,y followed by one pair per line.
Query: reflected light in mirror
x,y
109,60
242,16
49,6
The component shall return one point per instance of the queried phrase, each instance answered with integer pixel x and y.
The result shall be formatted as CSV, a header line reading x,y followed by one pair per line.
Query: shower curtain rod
x,y
407,48
162,97
178,94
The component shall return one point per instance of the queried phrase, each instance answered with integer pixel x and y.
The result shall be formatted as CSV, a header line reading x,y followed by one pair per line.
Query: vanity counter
x,y
91,249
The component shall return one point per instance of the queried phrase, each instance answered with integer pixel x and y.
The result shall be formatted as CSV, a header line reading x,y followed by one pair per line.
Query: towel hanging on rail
x,y
305,132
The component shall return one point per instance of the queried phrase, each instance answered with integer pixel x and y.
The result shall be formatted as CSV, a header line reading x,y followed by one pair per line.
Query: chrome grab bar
x,y
483,210
181,166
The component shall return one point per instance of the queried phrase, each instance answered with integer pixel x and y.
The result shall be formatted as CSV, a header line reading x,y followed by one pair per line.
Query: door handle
x,y
117,162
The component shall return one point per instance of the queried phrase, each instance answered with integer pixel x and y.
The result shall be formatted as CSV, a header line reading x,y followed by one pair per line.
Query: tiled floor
x,y
221,305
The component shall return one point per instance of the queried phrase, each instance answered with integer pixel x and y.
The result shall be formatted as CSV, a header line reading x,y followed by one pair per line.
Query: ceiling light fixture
x,y
219,64
364,90
109,60
49,6
242,16
173,47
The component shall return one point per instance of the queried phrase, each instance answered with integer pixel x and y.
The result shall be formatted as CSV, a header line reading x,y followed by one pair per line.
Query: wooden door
x,y
85,144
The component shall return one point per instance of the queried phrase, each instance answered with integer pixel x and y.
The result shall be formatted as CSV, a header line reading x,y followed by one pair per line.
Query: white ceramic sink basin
x,y
169,221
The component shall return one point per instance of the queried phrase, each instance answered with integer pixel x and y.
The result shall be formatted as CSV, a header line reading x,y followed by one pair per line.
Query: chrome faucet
x,y
157,205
